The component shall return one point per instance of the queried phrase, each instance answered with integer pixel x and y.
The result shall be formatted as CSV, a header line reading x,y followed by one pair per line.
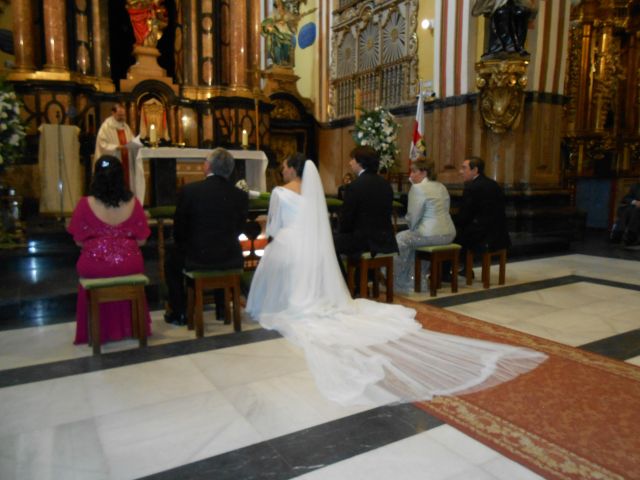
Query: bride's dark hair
x,y
297,161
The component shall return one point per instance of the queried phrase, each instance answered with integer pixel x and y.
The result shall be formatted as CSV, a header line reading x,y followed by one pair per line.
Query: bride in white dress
x,y
359,351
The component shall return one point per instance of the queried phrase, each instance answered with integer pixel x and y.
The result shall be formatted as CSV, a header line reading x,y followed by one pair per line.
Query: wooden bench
x,y
198,281
366,262
436,254
115,289
486,266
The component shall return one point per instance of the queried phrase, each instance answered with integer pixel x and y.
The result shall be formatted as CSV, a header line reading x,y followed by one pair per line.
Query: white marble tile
x,y
461,444
157,437
51,343
418,456
504,311
567,326
503,468
558,297
147,383
42,405
280,405
73,448
251,362
634,360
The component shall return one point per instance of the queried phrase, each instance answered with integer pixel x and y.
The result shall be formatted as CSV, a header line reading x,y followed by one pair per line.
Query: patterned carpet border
x,y
574,417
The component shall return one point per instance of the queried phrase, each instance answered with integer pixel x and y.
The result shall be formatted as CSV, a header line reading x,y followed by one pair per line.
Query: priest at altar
x,y
115,138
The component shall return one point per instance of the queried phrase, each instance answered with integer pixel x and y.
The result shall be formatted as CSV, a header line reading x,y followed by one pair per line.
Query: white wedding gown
x,y
360,351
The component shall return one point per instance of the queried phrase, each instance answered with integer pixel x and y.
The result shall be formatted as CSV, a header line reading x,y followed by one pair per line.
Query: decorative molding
x,y
501,84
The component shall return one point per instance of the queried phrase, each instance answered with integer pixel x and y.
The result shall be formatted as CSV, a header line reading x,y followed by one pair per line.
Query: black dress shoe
x,y
173,318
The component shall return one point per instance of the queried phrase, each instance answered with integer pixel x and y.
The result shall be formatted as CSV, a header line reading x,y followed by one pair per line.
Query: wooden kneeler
x,y
436,254
199,281
366,262
486,266
115,289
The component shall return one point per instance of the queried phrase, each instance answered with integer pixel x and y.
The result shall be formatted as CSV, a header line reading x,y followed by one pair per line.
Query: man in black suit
x,y
481,222
627,224
365,218
210,215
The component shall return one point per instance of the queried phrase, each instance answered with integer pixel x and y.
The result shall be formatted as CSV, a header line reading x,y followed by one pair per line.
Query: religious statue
x,y
280,30
148,18
509,21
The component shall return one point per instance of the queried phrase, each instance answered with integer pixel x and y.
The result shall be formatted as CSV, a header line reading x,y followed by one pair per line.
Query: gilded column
x,y
83,53
207,67
238,45
99,31
23,35
191,56
55,36
254,44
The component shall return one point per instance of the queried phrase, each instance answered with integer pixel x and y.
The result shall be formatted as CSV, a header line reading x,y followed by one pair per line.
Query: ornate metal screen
x,y
374,49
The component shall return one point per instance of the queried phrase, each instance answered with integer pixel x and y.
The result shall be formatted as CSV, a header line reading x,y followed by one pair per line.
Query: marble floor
x,y
244,406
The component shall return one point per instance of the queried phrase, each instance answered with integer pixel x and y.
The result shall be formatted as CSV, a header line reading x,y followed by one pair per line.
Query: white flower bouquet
x,y
378,129
12,131
242,185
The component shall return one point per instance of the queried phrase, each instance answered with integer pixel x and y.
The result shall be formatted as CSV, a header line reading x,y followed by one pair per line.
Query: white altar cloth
x,y
255,167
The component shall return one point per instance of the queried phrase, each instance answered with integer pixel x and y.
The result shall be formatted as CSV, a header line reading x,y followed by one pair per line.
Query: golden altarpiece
x,y
194,74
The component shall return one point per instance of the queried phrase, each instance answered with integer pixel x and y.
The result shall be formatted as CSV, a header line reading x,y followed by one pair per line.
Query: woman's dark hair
x,y
296,161
367,157
107,184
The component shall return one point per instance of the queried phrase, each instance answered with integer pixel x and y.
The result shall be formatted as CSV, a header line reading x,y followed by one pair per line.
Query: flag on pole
x,y
418,146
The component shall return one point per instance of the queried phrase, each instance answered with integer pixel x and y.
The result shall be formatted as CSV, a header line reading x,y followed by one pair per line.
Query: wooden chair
x,y
199,281
366,262
486,266
114,289
436,254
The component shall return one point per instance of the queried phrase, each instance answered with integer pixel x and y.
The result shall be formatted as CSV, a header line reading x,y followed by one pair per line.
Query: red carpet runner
x,y
576,416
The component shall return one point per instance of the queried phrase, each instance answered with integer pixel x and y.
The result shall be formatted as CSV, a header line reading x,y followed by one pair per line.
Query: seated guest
x,y
365,219
109,225
481,222
210,215
627,224
428,220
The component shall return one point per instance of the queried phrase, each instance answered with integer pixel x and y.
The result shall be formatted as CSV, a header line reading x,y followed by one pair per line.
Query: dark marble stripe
x,y
312,448
76,366
620,347
498,292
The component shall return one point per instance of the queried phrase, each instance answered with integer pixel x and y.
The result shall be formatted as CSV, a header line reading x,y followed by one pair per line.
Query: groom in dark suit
x,y
210,215
481,222
365,219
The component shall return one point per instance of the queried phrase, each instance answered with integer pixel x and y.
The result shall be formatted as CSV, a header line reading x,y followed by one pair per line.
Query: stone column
x,y
55,36
23,35
83,53
254,44
238,45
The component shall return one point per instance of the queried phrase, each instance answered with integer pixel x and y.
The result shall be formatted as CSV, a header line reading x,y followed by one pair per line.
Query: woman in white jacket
x,y
428,219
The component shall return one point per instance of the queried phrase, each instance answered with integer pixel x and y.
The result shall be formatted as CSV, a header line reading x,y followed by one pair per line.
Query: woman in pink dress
x,y
109,225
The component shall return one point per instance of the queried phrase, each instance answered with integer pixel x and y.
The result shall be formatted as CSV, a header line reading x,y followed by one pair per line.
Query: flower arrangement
x,y
378,129
12,131
242,185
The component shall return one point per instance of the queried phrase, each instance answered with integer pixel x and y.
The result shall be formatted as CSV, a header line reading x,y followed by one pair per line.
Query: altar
x,y
162,168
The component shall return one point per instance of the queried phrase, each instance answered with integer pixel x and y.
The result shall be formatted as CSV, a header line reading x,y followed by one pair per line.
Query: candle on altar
x,y
245,139
153,135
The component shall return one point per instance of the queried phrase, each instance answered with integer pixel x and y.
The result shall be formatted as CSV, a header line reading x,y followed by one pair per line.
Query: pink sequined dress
x,y
107,251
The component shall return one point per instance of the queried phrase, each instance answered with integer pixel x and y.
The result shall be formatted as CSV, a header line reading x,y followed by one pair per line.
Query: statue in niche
x,y
148,18
280,30
509,20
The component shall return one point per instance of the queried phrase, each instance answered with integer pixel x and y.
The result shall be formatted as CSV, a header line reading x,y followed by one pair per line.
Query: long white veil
x,y
364,352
